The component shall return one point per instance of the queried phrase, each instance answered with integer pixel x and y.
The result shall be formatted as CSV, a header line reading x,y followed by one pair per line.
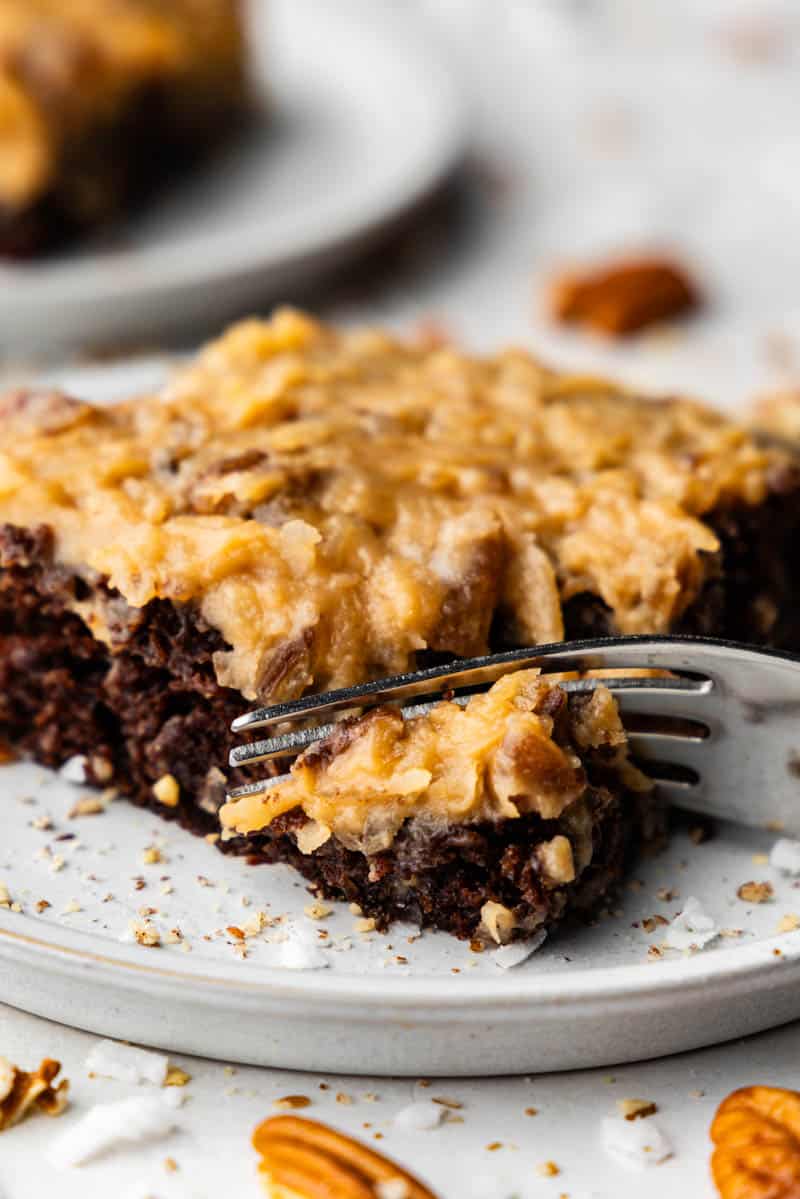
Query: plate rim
x,y
743,965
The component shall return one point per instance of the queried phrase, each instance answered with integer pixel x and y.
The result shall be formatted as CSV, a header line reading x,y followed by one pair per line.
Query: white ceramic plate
x,y
363,119
589,997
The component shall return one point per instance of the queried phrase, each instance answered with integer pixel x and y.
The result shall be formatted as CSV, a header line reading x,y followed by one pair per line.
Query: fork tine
x,y
469,673
296,740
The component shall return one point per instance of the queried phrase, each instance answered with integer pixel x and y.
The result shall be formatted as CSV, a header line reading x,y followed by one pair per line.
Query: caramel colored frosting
x,y
333,503
496,759
69,67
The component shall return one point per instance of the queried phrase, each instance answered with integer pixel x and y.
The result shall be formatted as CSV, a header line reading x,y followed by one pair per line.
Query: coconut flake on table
x,y
300,950
420,1116
785,856
635,1142
74,770
127,1063
508,956
107,1125
692,928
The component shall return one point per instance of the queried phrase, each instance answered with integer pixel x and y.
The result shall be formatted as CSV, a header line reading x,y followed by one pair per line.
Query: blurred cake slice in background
x,y
102,100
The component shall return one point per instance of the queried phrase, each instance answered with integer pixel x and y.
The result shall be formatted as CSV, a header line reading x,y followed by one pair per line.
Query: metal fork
x,y
720,734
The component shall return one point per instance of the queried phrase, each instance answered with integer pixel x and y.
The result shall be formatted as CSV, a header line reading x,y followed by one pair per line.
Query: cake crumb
x,y
788,923
152,855
636,1109
292,1102
42,905
531,1111
170,1165
343,1098
367,925
318,911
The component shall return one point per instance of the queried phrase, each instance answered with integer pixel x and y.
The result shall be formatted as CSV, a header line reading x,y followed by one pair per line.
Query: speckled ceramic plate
x,y
397,1003
362,120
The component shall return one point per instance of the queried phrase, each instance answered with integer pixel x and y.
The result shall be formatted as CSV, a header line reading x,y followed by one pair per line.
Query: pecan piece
x,y
42,411
20,1090
303,1159
623,297
756,1133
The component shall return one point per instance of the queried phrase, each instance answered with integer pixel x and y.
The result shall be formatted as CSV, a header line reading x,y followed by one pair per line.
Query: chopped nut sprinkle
x,y
754,892
548,1169
318,911
176,1077
636,1109
167,791
86,807
651,923
145,933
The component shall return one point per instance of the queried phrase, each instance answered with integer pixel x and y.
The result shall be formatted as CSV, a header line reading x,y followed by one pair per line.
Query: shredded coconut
x,y
508,956
635,1142
420,1116
111,1059
297,952
74,770
785,856
106,1125
692,928
392,1188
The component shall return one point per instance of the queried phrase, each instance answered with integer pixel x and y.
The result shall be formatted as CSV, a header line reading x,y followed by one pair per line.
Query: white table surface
x,y
637,125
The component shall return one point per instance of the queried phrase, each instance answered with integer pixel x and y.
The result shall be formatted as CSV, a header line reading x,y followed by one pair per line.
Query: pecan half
x,y
756,1132
302,1159
20,1090
623,297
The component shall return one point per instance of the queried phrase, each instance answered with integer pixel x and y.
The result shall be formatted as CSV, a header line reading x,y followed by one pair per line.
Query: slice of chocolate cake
x,y
500,817
301,509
